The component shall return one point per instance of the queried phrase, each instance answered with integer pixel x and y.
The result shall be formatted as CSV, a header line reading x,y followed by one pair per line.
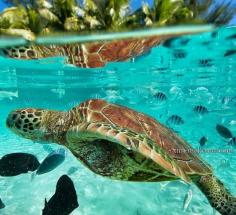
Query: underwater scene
x,y
141,123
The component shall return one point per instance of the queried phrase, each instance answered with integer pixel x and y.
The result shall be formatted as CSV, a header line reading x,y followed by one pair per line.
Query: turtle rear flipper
x,y
218,196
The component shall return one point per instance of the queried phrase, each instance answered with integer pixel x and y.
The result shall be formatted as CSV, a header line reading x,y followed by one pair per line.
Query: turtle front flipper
x,y
127,138
218,196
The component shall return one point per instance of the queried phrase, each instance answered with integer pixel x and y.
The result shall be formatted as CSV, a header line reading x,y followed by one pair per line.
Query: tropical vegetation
x,y
32,17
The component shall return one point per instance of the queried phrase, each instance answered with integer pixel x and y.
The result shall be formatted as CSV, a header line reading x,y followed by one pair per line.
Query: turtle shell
x,y
94,54
88,55
178,149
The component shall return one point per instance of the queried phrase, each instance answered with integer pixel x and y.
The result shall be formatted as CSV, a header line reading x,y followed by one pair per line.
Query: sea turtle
x,y
123,144
93,54
88,55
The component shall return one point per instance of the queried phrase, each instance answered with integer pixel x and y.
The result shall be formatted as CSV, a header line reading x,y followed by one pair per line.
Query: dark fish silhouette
x,y
169,42
53,160
205,62
231,37
64,201
175,119
160,96
233,99
206,43
229,53
1,204
200,109
184,41
224,164
47,147
214,34
225,100
18,163
160,68
179,54
223,131
232,141
203,141
72,170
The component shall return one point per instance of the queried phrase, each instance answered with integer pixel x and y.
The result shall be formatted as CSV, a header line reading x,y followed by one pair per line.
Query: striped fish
x,y
175,120
200,109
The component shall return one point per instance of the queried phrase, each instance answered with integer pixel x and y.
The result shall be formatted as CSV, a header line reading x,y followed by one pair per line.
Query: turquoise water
x,y
197,72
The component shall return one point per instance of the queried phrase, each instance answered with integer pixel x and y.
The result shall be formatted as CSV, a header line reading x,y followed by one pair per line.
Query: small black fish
x,y
214,34
179,54
18,163
1,204
160,96
232,141
231,37
203,141
206,43
64,200
200,109
72,170
229,53
233,99
162,68
53,160
225,164
205,62
223,131
169,42
47,147
175,119
184,41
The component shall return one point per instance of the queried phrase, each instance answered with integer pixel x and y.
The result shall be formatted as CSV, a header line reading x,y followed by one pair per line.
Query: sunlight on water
x,y
172,79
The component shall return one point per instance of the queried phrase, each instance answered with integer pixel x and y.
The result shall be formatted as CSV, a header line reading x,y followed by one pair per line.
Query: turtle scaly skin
x,y
122,144
218,196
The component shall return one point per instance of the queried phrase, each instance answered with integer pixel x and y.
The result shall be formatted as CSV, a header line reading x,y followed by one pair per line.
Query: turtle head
x,y
37,124
26,122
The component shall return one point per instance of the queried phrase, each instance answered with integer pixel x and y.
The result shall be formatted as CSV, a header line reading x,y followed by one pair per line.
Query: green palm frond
x,y
171,12
64,8
114,9
35,22
16,16
4,23
48,16
198,6
109,13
